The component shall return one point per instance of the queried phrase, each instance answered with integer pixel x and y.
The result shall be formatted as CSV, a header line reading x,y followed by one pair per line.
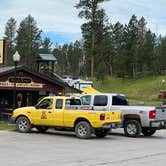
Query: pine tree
x,y
76,59
28,40
132,46
10,33
148,58
90,11
161,58
46,46
118,56
69,58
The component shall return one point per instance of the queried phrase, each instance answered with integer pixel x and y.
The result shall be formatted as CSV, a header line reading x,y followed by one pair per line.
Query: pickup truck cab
x,y
65,113
136,119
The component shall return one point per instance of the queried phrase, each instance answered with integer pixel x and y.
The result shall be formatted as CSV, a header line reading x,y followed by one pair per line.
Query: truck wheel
x,y
83,130
42,129
101,133
23,125
132,128
148,132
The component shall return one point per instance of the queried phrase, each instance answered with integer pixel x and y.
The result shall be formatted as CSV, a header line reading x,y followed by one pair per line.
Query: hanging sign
x,y
22,85
1,51
20,79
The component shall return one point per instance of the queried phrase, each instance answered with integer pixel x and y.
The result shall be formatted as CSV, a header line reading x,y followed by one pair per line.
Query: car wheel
x,y
23,125
83,130
132,128
148,132
101,133
42,129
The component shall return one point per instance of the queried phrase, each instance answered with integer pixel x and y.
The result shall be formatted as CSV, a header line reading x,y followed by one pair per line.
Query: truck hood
x,y
22,109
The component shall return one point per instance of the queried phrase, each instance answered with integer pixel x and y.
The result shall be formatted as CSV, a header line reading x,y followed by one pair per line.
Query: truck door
x,y
43,113
58,112
97,102
70,111
100,102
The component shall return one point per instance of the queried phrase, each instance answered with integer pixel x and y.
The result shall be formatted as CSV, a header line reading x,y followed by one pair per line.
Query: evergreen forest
x,y
129,50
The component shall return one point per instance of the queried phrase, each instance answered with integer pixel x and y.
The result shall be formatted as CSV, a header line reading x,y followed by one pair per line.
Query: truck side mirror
x,y
37,107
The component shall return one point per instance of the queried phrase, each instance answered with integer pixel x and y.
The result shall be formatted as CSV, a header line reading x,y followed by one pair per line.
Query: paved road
x,y
64,149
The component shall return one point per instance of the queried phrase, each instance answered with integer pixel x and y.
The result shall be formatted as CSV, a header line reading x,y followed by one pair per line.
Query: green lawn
x,y
137,91
6,126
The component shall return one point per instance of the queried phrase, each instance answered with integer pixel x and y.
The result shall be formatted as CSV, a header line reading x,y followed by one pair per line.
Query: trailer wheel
x,y
132,128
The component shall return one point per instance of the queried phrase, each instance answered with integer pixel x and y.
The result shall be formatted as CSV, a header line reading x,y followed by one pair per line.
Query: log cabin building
x,y
30,87
31,84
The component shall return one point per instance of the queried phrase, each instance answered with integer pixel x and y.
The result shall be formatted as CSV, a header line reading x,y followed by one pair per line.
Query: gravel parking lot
x,y
60,148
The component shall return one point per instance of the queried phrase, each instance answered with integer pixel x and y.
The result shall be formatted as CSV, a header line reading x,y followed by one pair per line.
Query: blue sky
x,y
58,18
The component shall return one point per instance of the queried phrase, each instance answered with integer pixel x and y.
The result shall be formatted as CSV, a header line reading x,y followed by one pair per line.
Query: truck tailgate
x,y
161,113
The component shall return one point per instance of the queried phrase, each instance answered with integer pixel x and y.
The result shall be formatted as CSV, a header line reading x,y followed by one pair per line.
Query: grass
x,y
137,91
6,126
142,91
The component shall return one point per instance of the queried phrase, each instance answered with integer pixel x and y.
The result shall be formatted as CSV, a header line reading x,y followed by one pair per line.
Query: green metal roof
x,y
46,57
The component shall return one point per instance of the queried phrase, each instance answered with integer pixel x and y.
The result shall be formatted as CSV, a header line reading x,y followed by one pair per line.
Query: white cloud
x,y
60,16
152,11
51,15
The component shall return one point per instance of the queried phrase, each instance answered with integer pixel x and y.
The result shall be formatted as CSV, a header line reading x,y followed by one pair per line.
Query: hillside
x,y
143,91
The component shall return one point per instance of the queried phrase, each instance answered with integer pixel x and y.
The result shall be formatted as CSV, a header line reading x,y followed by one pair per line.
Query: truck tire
x,y
83,130
132,128
101,133
148,131
23,124
41,129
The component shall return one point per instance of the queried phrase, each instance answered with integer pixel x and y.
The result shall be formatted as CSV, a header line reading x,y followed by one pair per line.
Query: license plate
x,y
107,126
156,124
113,125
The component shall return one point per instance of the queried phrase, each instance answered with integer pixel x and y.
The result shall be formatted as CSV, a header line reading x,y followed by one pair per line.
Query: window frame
x,y
100,103
61,104
118,98
38,106
89,100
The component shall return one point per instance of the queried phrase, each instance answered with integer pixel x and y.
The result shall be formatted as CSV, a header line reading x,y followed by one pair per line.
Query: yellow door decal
x,y
43,116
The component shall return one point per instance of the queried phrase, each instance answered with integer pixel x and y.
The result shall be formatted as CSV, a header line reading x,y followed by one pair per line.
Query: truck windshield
x,y
119,100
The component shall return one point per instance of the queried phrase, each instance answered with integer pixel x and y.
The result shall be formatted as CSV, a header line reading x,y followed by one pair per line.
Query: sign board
x,y
1,51
22,85
20,79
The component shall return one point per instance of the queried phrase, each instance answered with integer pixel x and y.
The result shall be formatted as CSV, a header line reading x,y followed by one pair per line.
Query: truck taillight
x,y
152,114
102,116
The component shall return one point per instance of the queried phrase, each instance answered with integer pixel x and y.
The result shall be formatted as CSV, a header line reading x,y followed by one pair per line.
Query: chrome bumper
x,y
112,125
159,124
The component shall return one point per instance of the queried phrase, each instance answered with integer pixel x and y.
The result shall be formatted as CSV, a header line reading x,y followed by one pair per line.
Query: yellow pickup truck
x,y
65,113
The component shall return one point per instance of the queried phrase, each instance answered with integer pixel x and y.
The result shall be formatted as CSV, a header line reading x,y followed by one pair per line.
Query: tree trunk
x,y
92,53
134,72
110,71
